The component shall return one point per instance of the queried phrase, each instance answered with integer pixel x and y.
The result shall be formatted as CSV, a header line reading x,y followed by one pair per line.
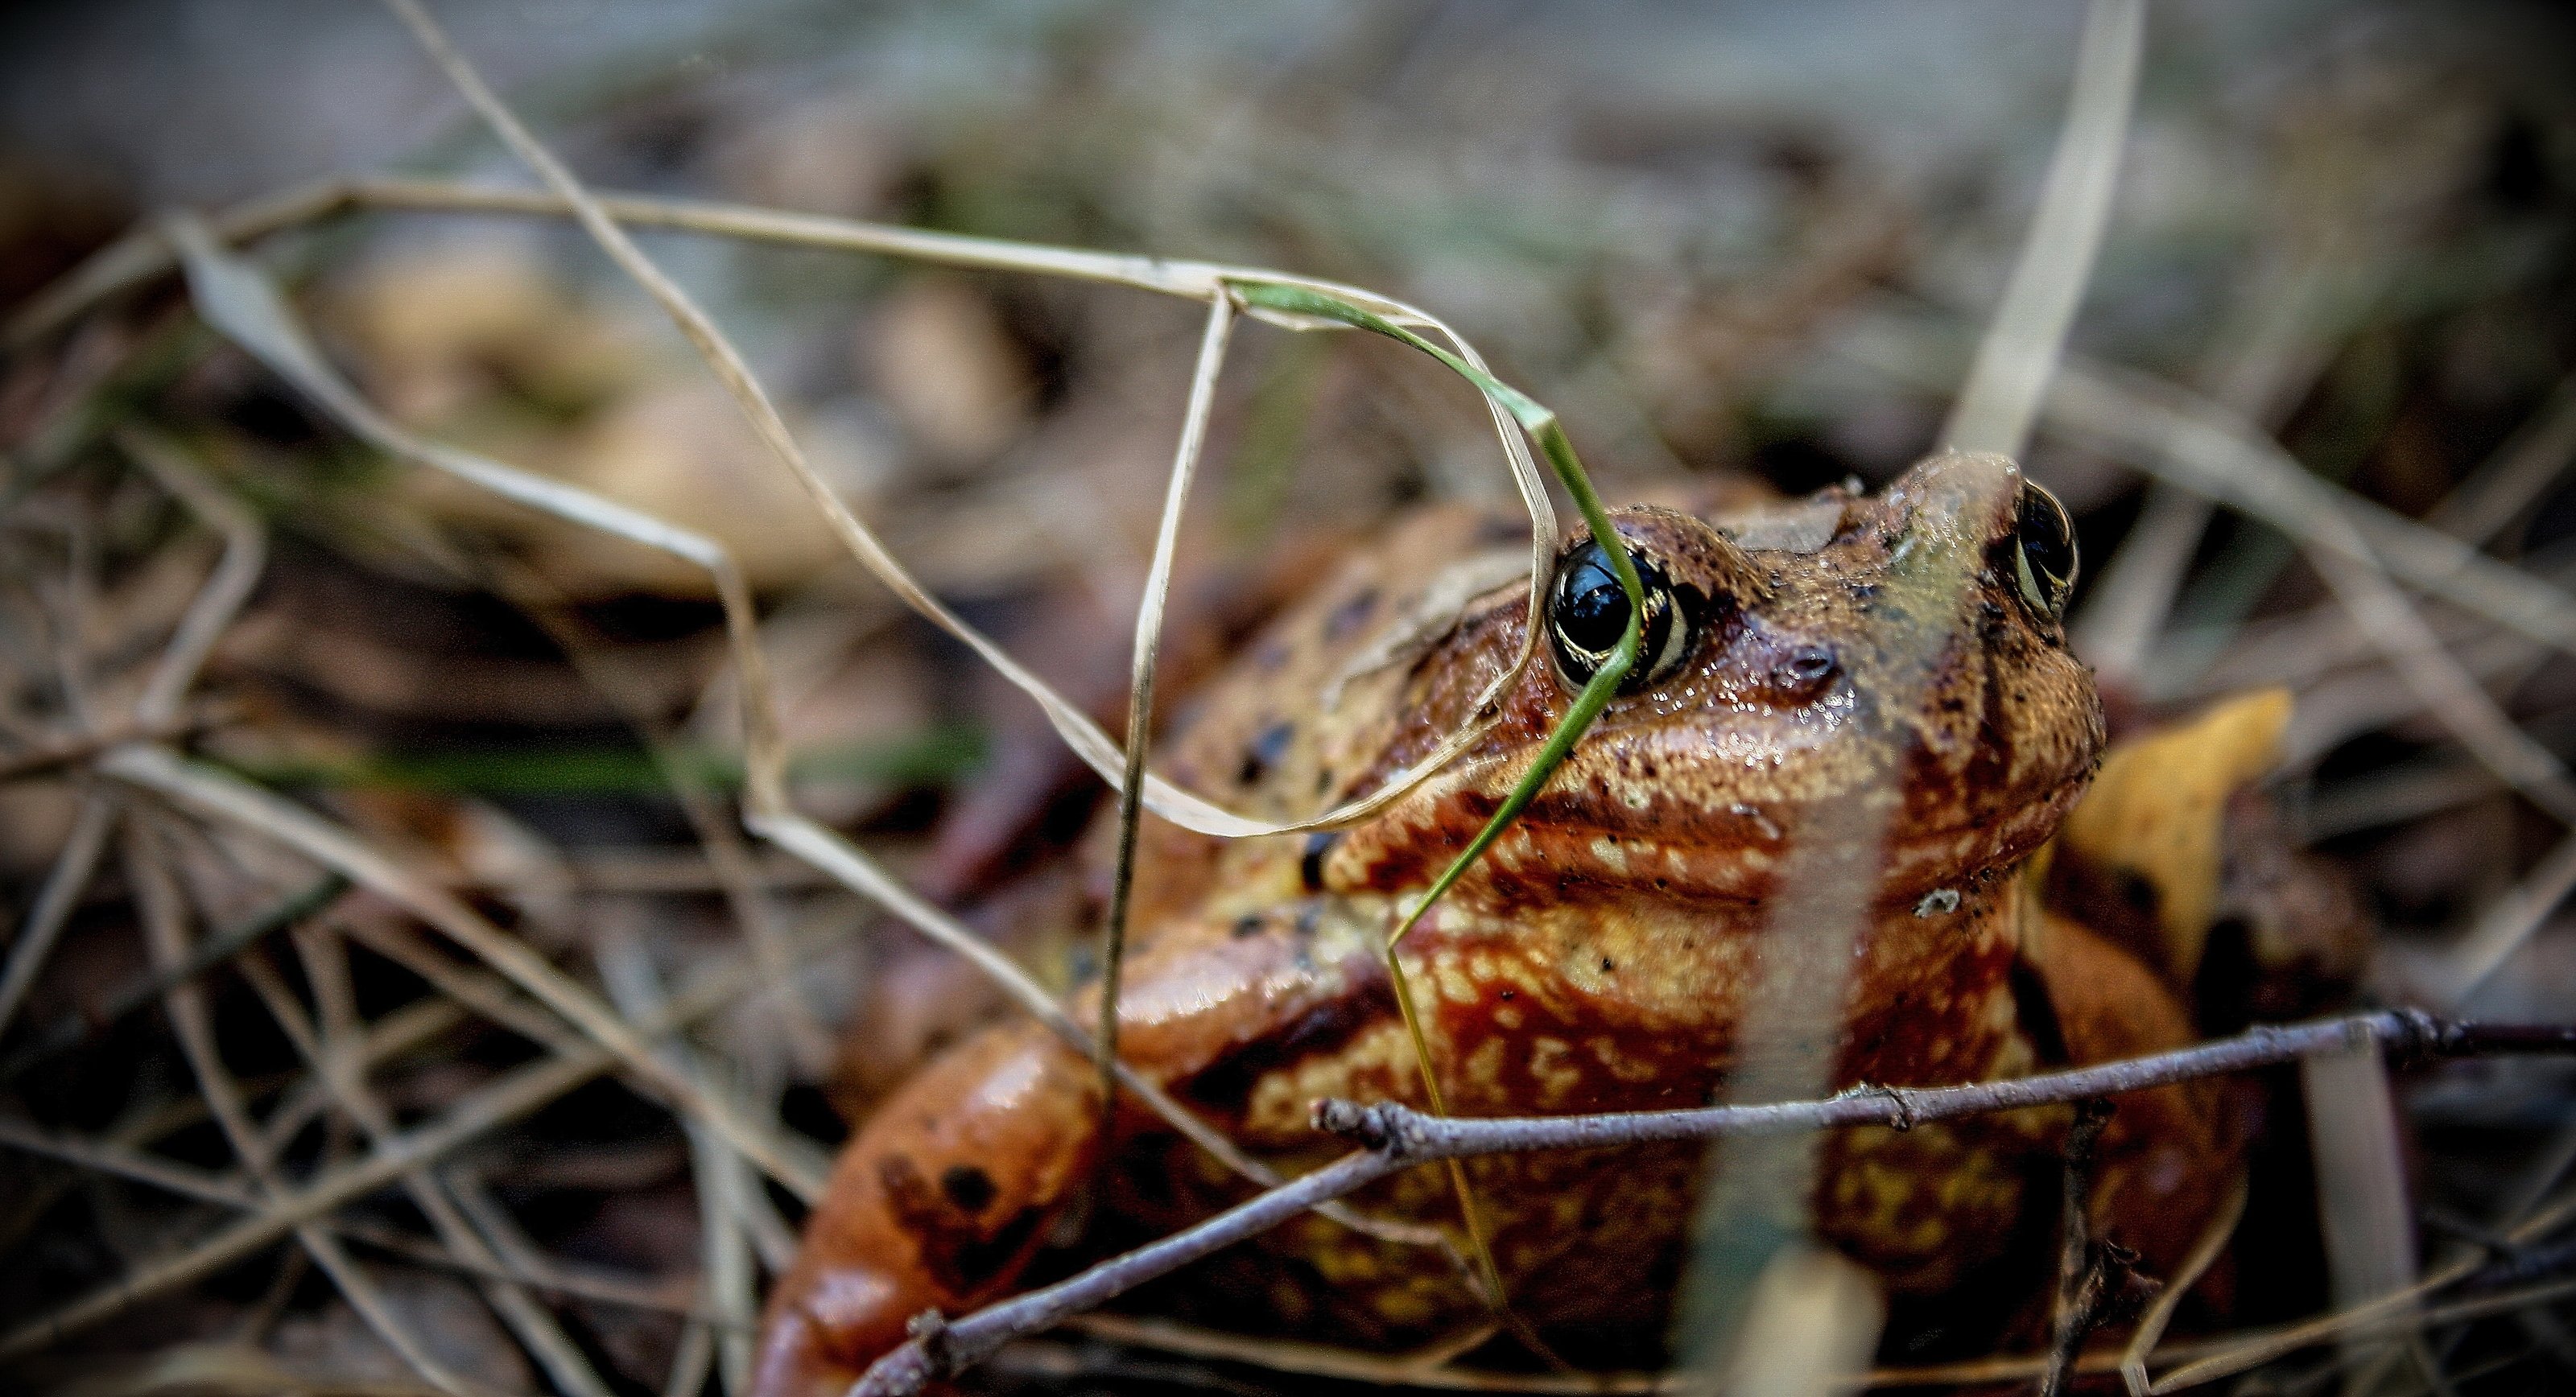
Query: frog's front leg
x,y
956,1180
938,1203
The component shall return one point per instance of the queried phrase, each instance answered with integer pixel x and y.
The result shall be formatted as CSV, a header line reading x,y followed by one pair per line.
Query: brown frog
x,y
1599,957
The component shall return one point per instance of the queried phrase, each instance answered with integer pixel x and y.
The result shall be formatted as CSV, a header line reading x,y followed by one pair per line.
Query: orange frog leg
x,y
2168,1156
937,1204
950,1188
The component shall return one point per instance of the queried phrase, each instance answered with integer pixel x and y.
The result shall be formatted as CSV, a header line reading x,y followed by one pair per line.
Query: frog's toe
x,y
807,1350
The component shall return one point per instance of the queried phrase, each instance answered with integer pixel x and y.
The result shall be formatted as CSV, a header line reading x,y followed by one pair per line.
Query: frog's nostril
x,y
1809,667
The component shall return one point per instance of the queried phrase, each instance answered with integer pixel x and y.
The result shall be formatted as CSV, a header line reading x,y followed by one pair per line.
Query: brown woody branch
x,y
1396,1138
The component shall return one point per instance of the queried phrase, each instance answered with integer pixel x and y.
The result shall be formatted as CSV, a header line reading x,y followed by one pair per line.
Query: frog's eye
x,y
2044,551
1587,612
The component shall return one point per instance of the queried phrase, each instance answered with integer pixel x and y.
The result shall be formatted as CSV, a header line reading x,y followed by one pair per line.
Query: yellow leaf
x,y
2152,820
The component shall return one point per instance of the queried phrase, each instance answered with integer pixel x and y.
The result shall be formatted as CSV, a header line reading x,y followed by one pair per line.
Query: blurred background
x,y
1715,238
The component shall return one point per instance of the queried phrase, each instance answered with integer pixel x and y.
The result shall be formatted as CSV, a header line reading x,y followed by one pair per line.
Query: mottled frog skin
x,y
1598,959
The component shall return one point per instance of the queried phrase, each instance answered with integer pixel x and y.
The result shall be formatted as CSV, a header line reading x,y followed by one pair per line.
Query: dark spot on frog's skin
x,y
1350,615
1323,781
957,1249
1311,867
970,1188
977,1262
1264,752
1247,926
1608,965
1509,995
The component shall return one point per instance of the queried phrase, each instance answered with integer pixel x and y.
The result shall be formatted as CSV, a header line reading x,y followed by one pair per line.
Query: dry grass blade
x,y
241,303
143,256
522,1269
2180,437
2447,691
226,589
2362,1202
62,890
722,1182
2508,922
2273,347
2227,1357
222,796
480,1112
1199,281
329,1050
1755,1198
1140,685
236,572
157,903
735,375
2001,399
2509,483
2204,1253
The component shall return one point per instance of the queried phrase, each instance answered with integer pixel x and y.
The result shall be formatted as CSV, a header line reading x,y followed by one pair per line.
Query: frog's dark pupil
x,y
1592,608
1589,612
2041,525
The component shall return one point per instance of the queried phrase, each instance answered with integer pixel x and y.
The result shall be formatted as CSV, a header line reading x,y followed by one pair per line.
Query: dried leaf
x,y
2150,825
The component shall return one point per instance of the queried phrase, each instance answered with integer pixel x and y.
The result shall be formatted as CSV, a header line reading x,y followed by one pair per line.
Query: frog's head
x,y
1793,656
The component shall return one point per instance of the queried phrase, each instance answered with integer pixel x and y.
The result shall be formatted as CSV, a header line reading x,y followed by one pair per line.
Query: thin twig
x,y
2080,1264
1397,1137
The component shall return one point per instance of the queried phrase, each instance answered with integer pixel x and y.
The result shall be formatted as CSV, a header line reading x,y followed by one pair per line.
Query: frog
x,y
1600,956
